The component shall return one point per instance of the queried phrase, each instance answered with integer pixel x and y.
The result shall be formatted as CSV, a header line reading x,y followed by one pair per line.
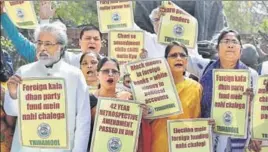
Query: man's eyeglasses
x,y
176,55
46,44
108,71
227,41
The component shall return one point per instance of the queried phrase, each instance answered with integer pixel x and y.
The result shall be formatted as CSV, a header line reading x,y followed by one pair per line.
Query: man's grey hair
x,y
54,29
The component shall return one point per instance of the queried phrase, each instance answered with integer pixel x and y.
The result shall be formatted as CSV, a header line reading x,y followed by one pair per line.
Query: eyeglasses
x,y
227,41
112,71
176,55
47,45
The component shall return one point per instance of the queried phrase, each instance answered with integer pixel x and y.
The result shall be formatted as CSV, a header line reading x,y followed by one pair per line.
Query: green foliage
x,y
264,26
246,16
78,12
7,45
239,16
74,13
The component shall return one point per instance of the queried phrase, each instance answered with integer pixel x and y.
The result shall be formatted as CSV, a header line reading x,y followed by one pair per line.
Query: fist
x,y
12,85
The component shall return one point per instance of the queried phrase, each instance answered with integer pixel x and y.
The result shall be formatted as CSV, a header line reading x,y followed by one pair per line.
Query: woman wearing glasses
x,y
189,91
109,75
229,47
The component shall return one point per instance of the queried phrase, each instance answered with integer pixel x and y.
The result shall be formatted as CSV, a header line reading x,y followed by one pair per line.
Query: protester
x,y
90,40
109,75
50,46
7,122
229,47
189,91
6,66
126,80
88,65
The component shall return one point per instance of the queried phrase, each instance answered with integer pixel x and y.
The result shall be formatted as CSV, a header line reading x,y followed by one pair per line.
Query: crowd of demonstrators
x,y
89,76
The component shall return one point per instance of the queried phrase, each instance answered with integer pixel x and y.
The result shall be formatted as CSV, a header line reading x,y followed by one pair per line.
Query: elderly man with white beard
x,y
50,45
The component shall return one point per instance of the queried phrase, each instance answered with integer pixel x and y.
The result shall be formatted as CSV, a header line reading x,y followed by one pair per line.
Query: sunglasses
x,y
176,55
108,71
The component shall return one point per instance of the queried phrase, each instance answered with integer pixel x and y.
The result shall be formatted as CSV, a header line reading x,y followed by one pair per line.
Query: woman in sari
x,y
189,91
229,47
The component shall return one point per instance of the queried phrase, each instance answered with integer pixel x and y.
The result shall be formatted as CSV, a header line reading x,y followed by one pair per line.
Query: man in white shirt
x,y
50,46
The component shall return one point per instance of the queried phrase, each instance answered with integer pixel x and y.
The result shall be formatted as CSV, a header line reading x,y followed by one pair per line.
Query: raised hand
x,y
46,10
12,85
2,6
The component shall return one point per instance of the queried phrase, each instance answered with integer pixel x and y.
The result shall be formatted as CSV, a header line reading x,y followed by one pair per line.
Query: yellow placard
x,y
259,114
125,46
114,15
43,113
263,149
22,14
117,124
153,84
177,25
229,106
194,135
3,85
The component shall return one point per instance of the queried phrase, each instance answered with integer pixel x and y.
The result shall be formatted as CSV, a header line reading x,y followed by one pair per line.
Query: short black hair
x,y
89,28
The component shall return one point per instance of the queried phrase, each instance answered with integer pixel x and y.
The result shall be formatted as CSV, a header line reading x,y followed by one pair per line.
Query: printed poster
x,y
177,25
125,46
259,117
153,84
22,14
115,15
43,113
263,149
229,106
189,135
117,125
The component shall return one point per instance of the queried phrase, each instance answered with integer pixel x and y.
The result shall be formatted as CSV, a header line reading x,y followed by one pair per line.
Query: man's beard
x,y
46,59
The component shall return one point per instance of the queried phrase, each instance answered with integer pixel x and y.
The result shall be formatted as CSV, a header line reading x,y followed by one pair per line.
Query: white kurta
x,y
72,58
264,68
78,105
